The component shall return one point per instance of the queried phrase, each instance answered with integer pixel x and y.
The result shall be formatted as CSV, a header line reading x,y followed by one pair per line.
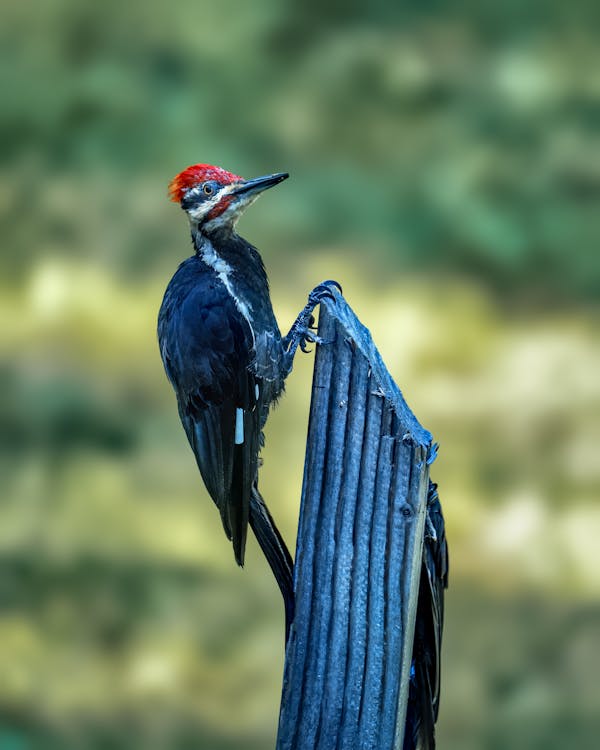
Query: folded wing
x,y
207,348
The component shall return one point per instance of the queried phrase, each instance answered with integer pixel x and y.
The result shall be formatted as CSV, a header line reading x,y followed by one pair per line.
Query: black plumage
x,y
225,357
211,355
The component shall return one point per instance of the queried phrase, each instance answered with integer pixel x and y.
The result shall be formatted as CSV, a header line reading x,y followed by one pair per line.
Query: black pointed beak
x,y
258,184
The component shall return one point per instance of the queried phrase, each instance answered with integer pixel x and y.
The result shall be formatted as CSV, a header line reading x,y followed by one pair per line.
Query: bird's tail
x,y
275,550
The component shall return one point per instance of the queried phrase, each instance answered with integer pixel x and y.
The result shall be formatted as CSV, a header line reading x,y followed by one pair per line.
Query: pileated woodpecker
x,y
225,357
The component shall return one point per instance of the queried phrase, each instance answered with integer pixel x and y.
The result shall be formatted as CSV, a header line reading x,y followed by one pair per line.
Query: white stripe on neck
x,y
223,270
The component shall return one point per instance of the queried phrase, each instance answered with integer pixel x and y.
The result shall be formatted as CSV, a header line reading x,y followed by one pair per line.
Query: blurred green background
x,y
442,162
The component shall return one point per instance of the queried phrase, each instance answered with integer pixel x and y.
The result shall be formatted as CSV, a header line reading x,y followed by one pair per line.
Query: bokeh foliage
x,y
458,137
442,161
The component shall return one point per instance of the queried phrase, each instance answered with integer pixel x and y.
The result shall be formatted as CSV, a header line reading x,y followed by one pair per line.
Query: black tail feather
x,y
237,509
275,550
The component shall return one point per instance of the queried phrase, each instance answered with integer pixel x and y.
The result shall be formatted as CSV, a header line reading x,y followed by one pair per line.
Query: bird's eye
x,y
207,188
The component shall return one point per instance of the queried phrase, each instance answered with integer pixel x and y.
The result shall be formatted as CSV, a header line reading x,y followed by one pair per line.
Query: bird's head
x,y
214,198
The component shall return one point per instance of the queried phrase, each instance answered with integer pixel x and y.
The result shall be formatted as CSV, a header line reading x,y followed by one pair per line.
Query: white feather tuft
x,y
239,426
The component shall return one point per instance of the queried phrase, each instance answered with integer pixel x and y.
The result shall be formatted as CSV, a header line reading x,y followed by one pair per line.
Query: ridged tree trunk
x,y
359,547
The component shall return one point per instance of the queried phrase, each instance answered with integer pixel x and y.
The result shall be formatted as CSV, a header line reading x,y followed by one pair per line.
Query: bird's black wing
x,y
424,689
207,348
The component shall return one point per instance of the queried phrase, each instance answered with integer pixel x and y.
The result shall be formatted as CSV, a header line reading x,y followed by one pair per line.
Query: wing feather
x,y
207,347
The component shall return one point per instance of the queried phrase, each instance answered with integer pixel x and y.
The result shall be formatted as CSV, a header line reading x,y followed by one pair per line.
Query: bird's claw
x,y
325,290
308,337
303,331
334,283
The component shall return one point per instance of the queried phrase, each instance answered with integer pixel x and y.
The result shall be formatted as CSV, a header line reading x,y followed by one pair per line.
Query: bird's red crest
x,y
196,175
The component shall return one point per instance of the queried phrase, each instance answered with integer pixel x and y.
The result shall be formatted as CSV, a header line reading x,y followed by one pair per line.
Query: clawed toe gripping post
x,y
302,331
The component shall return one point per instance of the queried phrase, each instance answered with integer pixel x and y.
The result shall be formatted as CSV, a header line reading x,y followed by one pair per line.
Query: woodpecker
x,y
224,354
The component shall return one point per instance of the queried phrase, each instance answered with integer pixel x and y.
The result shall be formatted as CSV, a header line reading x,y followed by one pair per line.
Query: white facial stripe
x,y
232,213
202,210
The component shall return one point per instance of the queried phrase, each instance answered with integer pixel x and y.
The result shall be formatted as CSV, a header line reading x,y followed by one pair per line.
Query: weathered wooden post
x,y
359,548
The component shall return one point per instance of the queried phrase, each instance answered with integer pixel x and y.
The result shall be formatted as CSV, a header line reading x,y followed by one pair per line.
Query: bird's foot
x,y
309,336
325,290
303,330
